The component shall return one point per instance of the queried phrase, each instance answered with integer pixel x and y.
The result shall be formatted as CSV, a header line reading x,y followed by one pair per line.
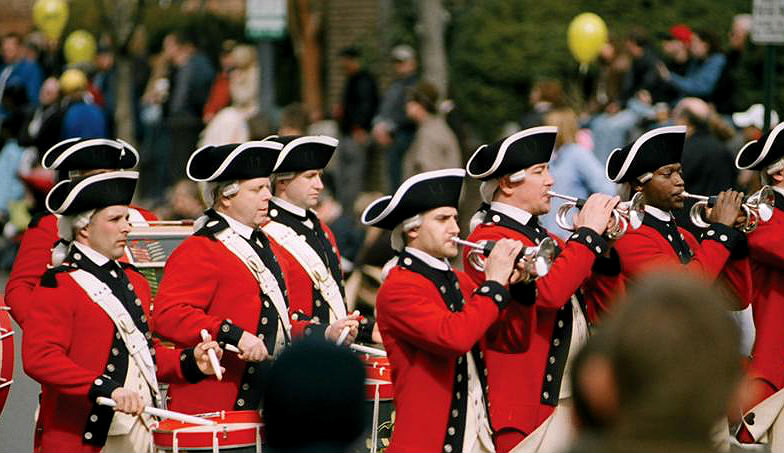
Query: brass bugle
x,y
756,207
626,214
537,260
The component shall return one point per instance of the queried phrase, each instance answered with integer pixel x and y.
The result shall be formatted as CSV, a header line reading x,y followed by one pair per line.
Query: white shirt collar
x,y
430,260
92,254
238,227
520,215
780,190
658,213
291,207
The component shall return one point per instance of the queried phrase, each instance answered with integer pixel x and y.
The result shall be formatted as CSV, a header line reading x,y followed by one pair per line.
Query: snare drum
x,y
379,394
6,354
234,429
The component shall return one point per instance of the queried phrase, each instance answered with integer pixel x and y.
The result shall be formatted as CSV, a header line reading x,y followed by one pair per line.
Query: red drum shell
x,y
378,372
6,354
234,429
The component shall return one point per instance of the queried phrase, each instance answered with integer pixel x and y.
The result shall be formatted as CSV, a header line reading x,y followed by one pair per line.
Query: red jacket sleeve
x,y
414,312
35,253
766,243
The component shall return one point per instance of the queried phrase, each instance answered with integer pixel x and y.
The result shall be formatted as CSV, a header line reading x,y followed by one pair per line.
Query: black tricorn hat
x,y
90,154
653,150
514,153
97,191
247,160
758,154
417,194
303,153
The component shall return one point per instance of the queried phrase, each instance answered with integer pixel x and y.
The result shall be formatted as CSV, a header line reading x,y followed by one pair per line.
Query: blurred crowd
x,y
182,98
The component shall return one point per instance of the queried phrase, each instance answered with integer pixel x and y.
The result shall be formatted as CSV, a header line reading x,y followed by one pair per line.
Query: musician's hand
x,y
202,357
727,208
501,262
128,401
351,321
251,347
596,214
375,336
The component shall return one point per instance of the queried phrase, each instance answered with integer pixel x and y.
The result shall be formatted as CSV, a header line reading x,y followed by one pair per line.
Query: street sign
x,y
768,22
265,19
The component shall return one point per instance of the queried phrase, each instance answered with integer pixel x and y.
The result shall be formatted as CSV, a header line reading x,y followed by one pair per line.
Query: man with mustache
x,y
88,332
308,251
529,391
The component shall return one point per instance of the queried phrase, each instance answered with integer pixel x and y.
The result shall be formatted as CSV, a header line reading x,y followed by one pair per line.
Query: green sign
x,y
265,19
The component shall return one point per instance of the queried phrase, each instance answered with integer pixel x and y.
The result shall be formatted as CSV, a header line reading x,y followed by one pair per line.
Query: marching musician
x,y
529,391
226,279
308,251
87,332
437,325
766,252
651,165
70,157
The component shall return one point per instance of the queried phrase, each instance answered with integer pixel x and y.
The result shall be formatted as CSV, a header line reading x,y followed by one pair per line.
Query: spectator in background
x,y
11,187
545,96
614,127
355,114
16,69
704,70
220,96
184,202
81,116
43,124
105,81
435,145
708,166
613,66
294,120
391,127
675,45
575,170
643,74
156,137
725,97
191,81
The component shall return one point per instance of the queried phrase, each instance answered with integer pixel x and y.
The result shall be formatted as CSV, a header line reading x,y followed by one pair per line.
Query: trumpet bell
x,y
636,210
765,200
544,257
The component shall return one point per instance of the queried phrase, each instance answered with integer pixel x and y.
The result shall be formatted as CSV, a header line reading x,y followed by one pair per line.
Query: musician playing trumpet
x,y
652,165
529,392
761,420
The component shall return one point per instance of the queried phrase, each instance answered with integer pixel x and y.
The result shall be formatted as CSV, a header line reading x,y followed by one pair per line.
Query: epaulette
x,y
36,219
49,279
211,228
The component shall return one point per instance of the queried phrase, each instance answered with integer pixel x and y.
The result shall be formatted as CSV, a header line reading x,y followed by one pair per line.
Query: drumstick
x,y
345,331
231,348
368,350
162,413
205,336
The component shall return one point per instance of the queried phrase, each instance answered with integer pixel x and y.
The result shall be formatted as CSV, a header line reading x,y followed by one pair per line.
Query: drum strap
x,y
311,263
134,340
267,281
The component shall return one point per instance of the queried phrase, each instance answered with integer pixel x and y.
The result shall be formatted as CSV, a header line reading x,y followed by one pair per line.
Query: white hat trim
x,y
401,191
499,157
765,149
636,147
321,139
84,183
233,155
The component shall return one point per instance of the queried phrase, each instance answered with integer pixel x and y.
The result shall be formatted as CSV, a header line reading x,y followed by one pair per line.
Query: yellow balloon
x,y
586,36
79,47
50,16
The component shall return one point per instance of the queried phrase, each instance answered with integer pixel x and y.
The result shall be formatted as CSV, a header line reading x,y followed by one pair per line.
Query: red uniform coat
x,y
66,347
424,338
518,382
35,253
766,252
658,245
206,286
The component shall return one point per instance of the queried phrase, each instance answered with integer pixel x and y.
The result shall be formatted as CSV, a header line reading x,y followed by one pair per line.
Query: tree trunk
x,y
432,18
305,27
125,126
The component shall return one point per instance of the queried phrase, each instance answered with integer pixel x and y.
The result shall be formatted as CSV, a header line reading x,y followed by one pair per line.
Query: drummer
x,y
226,279
72,344
72,157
